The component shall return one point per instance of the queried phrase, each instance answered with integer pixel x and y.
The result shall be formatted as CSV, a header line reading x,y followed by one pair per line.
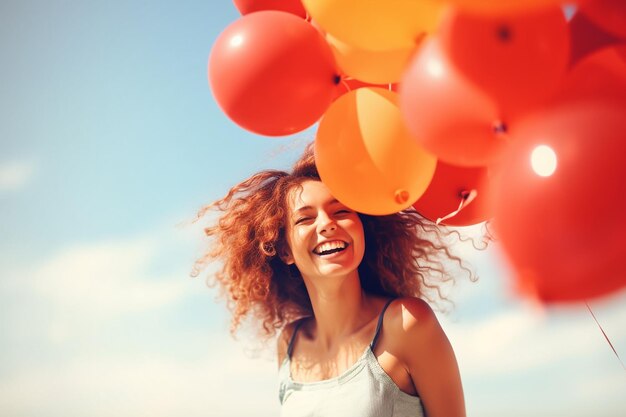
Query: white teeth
x,y
326,246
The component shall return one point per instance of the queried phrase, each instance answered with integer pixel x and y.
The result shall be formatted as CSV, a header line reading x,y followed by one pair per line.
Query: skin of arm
x,y
427,356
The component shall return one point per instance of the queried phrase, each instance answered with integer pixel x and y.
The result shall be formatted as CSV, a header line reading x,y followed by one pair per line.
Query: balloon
x,y
272,73
376,24
601,75
586,37
491,7
348,84
449,187
375,67
290,6
560,202
517,59
608,14
367,158
448,115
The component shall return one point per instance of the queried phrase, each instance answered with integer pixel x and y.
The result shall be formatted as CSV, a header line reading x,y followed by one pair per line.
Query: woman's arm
x,y
428,357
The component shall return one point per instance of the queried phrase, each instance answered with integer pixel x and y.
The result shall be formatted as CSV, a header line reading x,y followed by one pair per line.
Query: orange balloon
x,y
448,115
376,24
608,14
374,67
348,84
452,185
367,158
517,59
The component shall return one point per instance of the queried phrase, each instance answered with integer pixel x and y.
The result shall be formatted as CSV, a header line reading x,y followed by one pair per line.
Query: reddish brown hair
x,y
404,253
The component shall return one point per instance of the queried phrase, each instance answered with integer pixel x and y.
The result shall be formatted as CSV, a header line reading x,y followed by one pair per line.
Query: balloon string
x,y
345,83
466,198
605,336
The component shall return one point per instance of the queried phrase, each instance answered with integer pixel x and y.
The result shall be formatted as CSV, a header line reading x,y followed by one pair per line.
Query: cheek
x,y
358,234
297,242
362,241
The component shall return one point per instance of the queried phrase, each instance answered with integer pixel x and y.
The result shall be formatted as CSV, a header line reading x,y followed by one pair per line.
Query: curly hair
x,y
405,254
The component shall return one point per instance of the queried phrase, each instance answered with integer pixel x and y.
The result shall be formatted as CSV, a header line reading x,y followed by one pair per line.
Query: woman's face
x,y
325,237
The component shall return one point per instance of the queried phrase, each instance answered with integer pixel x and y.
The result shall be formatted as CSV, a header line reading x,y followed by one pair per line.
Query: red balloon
x,y
289,6
446,113
586,37
608,14
563,231
272,73
599,75
452,185
518,59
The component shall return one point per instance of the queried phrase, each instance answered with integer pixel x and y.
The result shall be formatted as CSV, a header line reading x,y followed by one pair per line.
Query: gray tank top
x,y
362,390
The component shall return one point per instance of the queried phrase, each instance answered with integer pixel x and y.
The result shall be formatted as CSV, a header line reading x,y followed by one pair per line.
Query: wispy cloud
x,y
522,338
15,175
107,278
85,285
611,385
147,386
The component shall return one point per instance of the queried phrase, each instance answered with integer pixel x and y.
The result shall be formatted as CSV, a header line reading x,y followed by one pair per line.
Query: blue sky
x,y
109,142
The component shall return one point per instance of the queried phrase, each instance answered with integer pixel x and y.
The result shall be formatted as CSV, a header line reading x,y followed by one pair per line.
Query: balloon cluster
x,y
466,110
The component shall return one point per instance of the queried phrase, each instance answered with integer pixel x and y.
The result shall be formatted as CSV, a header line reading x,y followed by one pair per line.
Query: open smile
x,y
330,247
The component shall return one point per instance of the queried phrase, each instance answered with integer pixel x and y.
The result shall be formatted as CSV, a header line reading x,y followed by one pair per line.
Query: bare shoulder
x,y
419,342
411,314
410,321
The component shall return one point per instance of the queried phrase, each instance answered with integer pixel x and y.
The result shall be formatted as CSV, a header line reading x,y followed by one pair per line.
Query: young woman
x,y
346,292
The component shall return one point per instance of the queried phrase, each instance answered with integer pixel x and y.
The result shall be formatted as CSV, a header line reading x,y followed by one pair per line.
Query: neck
x,y
340,308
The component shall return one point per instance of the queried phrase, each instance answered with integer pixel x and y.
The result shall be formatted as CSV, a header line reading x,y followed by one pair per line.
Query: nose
x,y
326,224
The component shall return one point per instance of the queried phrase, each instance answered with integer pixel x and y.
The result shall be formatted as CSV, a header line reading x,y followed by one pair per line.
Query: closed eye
x,y
302,220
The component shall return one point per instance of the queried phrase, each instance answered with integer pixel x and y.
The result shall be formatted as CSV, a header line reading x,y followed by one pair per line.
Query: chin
x,y
331,270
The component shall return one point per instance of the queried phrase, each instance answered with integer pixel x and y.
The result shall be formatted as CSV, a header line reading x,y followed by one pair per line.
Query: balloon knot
x,y
402,196
500,127
467,196
419,38
504,33
337,79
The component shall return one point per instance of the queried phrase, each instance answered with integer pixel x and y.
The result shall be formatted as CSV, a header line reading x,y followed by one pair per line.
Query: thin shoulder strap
x,y
293,338
380,324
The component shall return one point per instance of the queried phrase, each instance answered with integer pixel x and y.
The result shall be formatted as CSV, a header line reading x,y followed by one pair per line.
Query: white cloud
x,y
107,278
557,357
15,175
225,383
523,338
610,385
68,295
84,289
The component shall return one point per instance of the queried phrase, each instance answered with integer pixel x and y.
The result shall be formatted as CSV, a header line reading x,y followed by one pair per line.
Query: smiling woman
x,y
324,237
345,292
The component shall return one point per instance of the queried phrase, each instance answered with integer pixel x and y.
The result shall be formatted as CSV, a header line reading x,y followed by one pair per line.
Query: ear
x,y
285,255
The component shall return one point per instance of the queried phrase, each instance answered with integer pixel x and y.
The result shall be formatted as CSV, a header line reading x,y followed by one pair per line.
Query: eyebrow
x,y
303,208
